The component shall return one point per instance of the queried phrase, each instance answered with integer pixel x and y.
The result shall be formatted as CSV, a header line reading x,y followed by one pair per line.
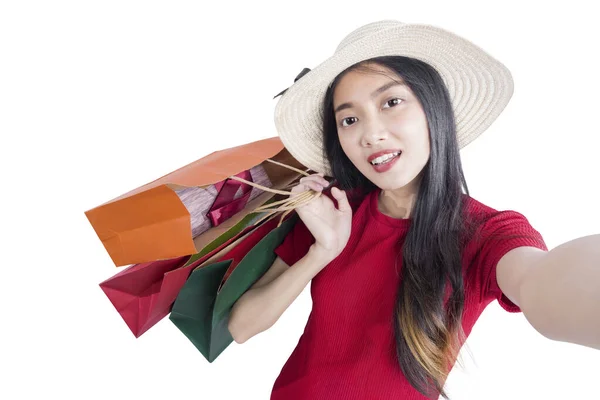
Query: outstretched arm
x,y
559,290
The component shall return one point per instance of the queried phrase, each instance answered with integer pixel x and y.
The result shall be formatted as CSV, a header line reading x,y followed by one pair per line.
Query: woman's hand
x,y
330,226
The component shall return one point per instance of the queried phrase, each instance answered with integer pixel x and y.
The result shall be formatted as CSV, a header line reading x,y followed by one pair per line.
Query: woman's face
x,y
374,113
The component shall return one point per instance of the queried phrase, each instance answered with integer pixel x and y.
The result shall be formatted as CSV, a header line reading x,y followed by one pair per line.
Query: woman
x,y
402,262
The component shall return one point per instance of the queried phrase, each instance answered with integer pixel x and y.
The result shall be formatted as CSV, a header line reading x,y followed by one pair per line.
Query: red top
x,y
347,350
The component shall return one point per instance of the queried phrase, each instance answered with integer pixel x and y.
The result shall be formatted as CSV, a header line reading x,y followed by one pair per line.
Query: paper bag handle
x,y
286,205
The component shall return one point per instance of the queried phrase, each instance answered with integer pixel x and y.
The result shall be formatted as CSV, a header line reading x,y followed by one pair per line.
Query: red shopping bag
x,y
144,293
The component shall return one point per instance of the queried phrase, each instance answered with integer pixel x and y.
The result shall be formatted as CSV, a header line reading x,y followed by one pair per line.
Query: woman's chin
x,y
393,182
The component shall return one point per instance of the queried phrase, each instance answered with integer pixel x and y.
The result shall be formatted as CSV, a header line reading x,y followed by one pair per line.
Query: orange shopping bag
x,y
151,222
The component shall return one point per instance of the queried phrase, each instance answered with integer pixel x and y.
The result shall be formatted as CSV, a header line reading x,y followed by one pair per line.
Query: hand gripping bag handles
x,y
157,222
202,308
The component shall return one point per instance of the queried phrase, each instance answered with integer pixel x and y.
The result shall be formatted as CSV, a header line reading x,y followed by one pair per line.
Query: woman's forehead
x,y
370,80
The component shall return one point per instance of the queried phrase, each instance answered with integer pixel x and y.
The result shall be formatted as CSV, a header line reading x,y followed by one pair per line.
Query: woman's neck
x,y
399,203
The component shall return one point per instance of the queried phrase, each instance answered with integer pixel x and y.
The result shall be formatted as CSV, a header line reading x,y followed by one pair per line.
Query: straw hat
x,y
479,85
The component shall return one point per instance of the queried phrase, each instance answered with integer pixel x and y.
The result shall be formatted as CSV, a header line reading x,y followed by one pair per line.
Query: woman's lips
x,y
387,165
382,153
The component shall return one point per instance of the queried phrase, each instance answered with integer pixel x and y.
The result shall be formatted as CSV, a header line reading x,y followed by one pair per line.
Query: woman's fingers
x,y
305,185
315,178
342,199
315,186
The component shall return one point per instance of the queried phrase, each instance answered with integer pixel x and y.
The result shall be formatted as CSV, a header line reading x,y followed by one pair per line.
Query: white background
x,y
98,98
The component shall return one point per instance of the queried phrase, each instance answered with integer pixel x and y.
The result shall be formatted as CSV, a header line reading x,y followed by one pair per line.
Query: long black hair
x,y
428,332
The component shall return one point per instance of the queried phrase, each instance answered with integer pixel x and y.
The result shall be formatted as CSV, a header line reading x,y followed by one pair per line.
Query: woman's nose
x,y
375,132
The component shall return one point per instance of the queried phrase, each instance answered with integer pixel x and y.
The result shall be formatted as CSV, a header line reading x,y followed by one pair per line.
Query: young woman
x,y
402,260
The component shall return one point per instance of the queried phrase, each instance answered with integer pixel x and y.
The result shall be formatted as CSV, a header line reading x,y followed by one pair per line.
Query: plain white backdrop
x,y
98,98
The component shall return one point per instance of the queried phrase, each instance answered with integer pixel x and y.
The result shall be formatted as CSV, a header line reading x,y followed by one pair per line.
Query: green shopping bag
x,y
202,308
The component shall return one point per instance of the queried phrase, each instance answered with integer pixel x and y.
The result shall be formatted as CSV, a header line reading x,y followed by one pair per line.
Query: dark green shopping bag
x,y
202,308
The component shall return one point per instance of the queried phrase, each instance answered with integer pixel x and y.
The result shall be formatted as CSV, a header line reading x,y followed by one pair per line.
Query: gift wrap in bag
x,y
159,220
144,293
202,308
212,205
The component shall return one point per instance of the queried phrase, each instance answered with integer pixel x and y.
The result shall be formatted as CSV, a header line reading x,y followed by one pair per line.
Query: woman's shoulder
x,y
480,212
474,206
484,221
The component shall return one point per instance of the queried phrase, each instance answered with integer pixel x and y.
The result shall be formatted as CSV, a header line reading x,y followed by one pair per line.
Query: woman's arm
x,y
560,292
262,305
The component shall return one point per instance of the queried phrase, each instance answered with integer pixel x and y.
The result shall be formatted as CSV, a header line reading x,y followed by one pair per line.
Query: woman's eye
x,y
393,102
346,119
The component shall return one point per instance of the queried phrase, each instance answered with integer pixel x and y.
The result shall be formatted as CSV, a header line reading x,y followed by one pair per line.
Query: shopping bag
x,y
138,292
144,293
152,223
202,308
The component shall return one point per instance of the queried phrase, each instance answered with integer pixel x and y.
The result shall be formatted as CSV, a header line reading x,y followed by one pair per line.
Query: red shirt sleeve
x,y
501,232
296,244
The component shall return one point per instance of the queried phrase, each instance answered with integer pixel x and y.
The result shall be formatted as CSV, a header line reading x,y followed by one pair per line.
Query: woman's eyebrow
x,y
382,89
